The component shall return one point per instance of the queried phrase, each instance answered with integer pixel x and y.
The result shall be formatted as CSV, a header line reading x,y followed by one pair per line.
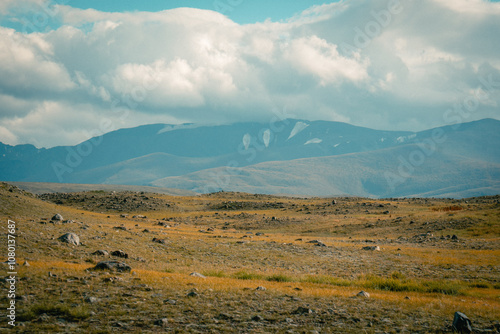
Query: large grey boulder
x,y
70,238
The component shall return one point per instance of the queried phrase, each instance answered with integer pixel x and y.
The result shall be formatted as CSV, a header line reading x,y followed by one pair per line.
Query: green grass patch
x,y
61,311
397,282
214,273
280,278
247,275
323,279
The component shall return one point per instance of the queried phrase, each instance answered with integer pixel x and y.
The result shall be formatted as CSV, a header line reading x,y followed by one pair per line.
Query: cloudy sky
x,y
72,69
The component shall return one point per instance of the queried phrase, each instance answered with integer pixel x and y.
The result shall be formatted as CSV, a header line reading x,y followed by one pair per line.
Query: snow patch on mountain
x,y
314,141
266,137
402,139
299,126
246,140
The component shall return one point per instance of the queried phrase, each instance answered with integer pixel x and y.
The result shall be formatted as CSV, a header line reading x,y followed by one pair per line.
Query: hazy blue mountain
x,y
289,156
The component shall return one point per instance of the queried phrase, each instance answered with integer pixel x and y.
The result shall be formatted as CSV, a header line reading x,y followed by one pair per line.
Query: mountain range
x,y
293,157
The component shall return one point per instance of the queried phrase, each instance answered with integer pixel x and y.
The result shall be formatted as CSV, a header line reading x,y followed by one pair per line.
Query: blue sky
x,y
241,11
69,72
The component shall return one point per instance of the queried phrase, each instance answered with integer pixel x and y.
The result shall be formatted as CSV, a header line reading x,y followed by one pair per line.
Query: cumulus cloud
x,y
376,63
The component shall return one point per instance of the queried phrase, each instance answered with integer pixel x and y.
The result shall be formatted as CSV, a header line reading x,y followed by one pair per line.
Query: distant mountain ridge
x,y
317,158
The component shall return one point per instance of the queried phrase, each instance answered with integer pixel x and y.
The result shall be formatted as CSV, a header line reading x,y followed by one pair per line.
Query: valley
x,y
235,262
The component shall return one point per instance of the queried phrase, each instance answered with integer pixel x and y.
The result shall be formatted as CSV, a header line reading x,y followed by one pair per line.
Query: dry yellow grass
x,y
464,273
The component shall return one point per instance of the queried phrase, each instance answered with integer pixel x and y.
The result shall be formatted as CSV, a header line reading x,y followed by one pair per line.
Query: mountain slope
x,y
289,156
240,144
368,174
449,161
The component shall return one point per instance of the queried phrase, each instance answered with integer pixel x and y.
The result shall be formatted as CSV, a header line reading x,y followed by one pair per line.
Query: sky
x,y
74,69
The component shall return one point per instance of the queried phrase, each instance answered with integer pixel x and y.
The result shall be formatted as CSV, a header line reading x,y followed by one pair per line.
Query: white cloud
x,y
198,66
26,63
316,56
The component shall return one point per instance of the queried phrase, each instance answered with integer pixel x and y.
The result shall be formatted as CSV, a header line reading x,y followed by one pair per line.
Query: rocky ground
x,y
262,264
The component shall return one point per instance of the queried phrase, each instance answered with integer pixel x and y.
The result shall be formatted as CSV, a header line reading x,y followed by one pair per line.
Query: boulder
x,y
101,252
57,217
119,253
195,274
70,238
461,323
113,266
363,294
371,248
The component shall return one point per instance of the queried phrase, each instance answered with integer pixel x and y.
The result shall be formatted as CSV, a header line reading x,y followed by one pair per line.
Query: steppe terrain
x,y
242,263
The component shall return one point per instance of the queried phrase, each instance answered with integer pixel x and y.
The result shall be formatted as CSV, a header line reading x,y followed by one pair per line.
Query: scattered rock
x,y
363,294
454,237
122,228
257,318
113,266
91,300
334,202
461,323
139,216
120,253
170,301
57,217
70,238
161,322
224,316
371,248
195,274
26,264
192,294
159,241
101,252
261,288
303,310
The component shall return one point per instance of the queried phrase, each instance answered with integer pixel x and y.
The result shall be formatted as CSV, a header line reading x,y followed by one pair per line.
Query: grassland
x,y
436,256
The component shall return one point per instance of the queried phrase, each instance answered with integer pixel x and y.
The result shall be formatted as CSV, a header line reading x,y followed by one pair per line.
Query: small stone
x,y
26,264
195,274
261,288
363,294
91,300
101,252
192,294
57,217
372,248
161,322
303,310
257,318
120,253
170,301
113,266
